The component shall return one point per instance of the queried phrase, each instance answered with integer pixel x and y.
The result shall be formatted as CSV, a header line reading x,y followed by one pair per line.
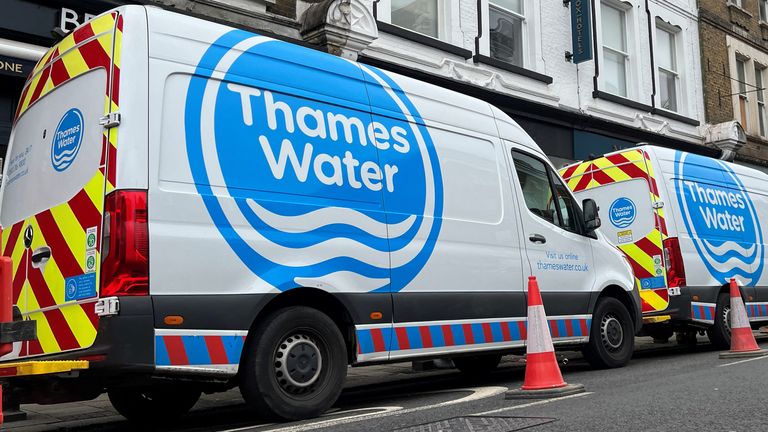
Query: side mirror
x,y
591,216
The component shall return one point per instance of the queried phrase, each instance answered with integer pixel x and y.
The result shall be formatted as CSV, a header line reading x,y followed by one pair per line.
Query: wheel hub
x,y
727,319
298,363
611,332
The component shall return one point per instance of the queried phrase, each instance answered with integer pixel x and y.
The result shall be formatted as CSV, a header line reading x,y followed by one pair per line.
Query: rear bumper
x,y
124,342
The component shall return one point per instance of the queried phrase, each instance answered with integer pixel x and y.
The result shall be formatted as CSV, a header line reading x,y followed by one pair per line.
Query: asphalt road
x,y
665,388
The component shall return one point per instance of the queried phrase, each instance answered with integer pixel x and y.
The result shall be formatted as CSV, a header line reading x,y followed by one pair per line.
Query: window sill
x,y
597,94
490,61
423,39
675,116
735,7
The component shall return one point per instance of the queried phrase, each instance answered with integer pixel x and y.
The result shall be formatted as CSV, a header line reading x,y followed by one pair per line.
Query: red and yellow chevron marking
x,y
618,167
40,292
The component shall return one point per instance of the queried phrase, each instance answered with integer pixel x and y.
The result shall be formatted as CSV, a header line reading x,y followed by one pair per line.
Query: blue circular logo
x,y
295,171
720,217
67,139
71,288
622,212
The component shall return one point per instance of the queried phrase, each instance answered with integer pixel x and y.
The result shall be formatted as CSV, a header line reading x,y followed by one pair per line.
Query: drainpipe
x,y
653,61
479,26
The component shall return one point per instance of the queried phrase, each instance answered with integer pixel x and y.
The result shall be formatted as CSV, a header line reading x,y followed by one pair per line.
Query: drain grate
x,y
479,424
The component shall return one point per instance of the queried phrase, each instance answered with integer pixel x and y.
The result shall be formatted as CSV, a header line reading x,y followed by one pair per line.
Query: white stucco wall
x,y
549,37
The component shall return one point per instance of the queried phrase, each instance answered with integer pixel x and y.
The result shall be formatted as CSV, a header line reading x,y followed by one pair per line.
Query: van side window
x,y
537,191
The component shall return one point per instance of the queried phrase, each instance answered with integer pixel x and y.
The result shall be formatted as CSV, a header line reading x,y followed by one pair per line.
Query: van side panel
x,y
720,211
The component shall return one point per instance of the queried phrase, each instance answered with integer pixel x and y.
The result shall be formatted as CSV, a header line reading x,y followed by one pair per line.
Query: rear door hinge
x,y
107,306
658,204
110,120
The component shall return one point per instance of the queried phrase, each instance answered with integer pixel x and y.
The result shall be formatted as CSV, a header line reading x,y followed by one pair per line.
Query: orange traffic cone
x,y
743,343
542,374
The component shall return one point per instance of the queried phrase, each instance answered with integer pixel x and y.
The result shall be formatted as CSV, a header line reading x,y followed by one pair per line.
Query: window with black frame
x,y
506,22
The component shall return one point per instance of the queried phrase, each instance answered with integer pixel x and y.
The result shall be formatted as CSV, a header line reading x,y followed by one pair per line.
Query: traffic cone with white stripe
x,y
743,343
542,374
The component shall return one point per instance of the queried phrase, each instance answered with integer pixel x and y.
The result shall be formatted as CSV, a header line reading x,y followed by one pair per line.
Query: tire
x,y
719,333
477,365
308,384
612,335
153,405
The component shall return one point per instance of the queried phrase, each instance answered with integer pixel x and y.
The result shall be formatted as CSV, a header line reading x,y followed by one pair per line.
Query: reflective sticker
x,y
652,282
80,287
90,238
90,261
624,236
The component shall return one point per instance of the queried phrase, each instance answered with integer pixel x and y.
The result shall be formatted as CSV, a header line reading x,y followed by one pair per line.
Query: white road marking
x,y
744,361
541,402
477,393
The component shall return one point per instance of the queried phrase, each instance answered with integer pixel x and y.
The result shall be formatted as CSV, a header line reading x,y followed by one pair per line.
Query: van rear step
x,y
41,367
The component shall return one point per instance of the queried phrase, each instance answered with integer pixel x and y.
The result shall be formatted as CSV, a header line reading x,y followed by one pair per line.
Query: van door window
x,y
537,192
540,185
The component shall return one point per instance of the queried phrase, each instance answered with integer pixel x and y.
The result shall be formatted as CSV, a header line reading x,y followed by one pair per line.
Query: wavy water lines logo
x,y
295,171
720,218
622,212
67,139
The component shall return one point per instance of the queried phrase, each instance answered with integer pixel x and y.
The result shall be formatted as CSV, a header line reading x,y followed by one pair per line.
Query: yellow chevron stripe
x,y
73,233
116,58
45,333
74,63
95,190
653,299
102,24
81,326
638,255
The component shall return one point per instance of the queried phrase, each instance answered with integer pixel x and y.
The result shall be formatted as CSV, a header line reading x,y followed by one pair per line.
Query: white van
x,y
688,224
183,199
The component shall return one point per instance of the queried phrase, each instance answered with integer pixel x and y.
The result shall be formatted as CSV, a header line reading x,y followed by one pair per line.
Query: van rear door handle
x,y
40,256
537,238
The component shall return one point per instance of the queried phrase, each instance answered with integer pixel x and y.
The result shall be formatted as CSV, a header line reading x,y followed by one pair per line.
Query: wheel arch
x,y
315,298
626,298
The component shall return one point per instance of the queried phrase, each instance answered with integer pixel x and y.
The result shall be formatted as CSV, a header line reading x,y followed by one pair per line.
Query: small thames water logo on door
x,y
622,212
67,139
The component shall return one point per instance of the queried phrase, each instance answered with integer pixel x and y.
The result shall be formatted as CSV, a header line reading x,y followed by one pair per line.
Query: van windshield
x,y
55,148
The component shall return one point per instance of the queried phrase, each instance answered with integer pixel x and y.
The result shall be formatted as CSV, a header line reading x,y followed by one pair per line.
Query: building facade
x,y
734,53
583,77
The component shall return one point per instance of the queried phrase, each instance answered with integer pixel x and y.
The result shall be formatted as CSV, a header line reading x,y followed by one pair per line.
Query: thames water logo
x,y
720,218
67,139
297,186
622,212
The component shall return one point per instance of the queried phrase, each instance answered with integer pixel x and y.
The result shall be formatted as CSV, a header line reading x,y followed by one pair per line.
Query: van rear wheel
x,y
294,365
719,333
612,335
160,403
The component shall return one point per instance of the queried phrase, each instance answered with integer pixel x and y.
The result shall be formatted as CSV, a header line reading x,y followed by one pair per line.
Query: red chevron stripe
x,y
111,162
90,312
649,247
115,84
448,335
34,348
569,171
13,237
505,334
40,288
94,55
216,350
59,73
469,338
426,337
487,332
402,338
20,276
584,328
523,330
83,33
85,211
583,181
41,83
177,354
568,328
61,330
378,340
59,247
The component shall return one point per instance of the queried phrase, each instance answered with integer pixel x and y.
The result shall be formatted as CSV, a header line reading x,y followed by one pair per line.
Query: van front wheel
x,y
294,364
612,335
719,332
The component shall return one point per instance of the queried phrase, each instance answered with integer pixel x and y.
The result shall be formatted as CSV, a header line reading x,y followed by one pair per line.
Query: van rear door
x,y
624,187
53,187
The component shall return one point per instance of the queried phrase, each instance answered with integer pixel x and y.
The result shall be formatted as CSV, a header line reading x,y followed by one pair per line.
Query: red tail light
x,y
673,260
125,245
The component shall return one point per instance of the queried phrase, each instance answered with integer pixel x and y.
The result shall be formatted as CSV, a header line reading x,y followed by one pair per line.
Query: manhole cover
x,y
479,424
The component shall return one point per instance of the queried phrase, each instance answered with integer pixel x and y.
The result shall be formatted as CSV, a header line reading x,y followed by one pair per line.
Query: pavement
x,y
665,387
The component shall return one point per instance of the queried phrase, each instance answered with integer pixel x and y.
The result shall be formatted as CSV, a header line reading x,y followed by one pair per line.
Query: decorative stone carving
x,y
728,137
342,27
